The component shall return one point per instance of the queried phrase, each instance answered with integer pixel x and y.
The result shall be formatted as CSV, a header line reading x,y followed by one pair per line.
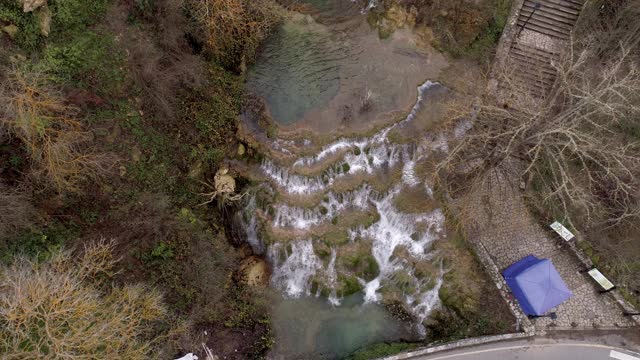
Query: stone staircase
x,y
554,18
537,35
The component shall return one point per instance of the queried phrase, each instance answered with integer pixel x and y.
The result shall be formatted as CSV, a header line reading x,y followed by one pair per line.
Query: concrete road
x,y
523,350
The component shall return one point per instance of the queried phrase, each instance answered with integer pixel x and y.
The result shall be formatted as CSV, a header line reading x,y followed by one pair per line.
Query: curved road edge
x,y
560,345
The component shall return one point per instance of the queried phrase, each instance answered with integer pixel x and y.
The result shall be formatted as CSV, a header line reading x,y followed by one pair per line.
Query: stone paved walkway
x,y
499,220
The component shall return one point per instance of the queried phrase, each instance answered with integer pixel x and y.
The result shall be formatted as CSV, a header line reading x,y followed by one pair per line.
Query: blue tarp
x,y
536,284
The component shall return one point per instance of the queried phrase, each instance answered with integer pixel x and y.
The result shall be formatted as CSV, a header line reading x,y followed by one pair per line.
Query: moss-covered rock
x,y
397,308
457,298
414,199
335,237
322,250
347,285
357,259
391,17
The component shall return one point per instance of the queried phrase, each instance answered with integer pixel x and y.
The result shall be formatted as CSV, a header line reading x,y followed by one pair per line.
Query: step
x,y
536,90
579,3
561,5
543,18
533,77
550,15
571,18
533,70
547,23
534,51
542,67
525,12
552,9
544,30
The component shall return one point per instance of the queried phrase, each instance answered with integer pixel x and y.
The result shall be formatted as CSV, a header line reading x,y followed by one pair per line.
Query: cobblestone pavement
x,y
498,218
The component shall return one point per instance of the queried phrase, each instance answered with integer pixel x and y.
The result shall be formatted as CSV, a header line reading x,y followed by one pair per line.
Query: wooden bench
x,y
605,284
562,231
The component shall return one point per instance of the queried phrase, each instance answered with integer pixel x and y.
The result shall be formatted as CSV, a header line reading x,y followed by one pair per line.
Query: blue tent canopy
x,y
536,284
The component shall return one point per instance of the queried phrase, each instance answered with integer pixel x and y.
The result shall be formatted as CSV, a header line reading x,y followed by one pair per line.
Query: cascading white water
x,y
329,207
380,137
294,273
331,278
395,229
296,265
251,226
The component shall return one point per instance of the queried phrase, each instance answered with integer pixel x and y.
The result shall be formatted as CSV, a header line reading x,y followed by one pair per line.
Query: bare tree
x,y
570,146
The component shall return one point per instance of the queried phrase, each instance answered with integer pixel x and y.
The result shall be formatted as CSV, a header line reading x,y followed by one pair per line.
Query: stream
x,y
348,222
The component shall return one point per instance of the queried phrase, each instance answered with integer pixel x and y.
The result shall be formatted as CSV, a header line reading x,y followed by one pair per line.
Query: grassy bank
x,y
115,113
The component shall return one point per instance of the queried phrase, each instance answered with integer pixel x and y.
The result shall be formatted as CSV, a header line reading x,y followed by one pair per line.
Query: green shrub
x,y
87,60
75,15
348,285
39,244
381,350
28,36
162,251
67,16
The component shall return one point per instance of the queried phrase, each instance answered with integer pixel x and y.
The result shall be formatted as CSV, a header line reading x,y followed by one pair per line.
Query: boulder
x,y
11,30
44,20
223,182
241,149
255,271
30,5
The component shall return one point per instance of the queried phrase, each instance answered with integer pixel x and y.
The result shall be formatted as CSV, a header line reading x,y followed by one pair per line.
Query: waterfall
x,y
329,207
396,229
297,265
293,274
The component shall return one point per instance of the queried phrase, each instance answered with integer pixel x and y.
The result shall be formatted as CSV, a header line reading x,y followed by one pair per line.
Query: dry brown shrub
x,y
569,146
36,114
161,61
64,309
235,28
